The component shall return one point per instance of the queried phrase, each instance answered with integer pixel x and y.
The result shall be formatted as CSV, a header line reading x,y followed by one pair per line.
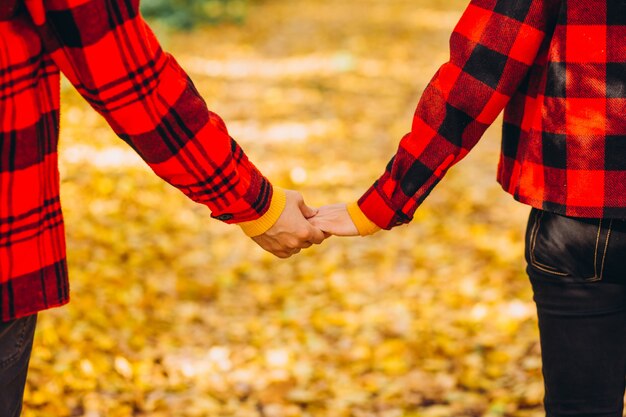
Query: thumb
x,y
36,10
307,211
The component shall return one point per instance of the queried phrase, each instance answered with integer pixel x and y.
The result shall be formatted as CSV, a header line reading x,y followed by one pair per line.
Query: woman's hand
x,y
335,220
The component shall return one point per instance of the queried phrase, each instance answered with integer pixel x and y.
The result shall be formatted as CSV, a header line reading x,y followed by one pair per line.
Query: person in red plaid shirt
x,y
558,69
113,59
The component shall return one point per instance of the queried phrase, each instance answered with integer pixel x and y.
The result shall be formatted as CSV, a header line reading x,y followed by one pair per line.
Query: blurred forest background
x,y
175,314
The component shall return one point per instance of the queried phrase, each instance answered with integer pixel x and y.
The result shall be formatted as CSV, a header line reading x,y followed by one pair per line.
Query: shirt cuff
x,y
265,222
364,225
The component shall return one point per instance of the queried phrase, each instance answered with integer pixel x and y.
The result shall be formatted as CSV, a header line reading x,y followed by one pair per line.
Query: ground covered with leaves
x,y
175,314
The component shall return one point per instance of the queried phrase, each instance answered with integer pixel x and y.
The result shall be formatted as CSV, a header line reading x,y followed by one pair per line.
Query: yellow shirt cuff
x,y
364,225
265,222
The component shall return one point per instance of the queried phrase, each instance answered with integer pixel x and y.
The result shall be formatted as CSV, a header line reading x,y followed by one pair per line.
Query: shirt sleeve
x,y
492,48
111,56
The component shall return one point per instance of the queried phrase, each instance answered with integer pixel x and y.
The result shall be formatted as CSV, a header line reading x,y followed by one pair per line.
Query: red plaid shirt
x,y
558,69
110,55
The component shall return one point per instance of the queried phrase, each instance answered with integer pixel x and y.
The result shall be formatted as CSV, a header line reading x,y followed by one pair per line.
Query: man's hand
x,y
292,232
335,220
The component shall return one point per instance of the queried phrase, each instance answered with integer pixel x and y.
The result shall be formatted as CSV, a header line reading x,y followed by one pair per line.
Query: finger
x,y
292,243
307,211
317,222
307,244
36,10
317,235
292,252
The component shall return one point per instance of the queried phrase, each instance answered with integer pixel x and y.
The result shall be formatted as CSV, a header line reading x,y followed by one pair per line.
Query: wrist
x,y
269,218
363,224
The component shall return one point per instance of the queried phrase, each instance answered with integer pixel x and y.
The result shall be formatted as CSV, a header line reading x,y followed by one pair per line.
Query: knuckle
x,y
305,235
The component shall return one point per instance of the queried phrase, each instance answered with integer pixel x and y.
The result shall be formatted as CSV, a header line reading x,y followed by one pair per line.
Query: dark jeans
x,y
577,268
16,343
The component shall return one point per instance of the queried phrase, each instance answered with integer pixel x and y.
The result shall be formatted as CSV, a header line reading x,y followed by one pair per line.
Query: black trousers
x,y
577,268
16,343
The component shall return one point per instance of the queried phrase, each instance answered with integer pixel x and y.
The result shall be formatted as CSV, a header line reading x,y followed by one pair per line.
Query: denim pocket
x,y
615,260
15,337
568,247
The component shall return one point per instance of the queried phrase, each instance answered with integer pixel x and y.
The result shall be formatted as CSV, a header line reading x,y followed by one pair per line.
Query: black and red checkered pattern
x,y
558,69
109,53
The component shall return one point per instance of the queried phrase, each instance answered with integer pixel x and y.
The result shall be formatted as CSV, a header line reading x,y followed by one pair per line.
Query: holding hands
x,y
300,226
335,220
292,232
